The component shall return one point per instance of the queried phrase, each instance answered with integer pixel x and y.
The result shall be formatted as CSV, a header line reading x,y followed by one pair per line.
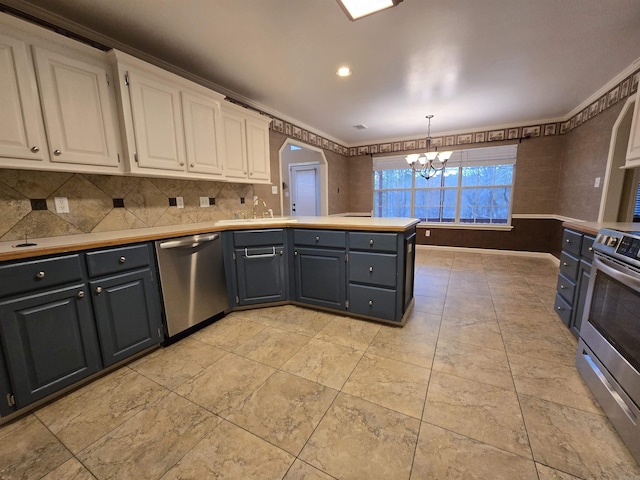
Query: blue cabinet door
x,y
261,275
320,277
127,311
49,340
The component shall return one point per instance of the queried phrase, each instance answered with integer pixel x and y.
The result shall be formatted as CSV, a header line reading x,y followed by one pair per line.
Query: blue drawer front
x,y
39,274
569,265
114,260
372,301
373,268
381,242
320,238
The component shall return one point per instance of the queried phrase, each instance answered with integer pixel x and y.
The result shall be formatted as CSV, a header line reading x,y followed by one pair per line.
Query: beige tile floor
x,y
479,383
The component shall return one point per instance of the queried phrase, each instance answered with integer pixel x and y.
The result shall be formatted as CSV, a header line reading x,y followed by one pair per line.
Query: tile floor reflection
x,y
479,384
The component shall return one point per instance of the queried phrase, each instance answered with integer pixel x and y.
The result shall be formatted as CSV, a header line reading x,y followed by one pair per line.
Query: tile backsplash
x,y
99,203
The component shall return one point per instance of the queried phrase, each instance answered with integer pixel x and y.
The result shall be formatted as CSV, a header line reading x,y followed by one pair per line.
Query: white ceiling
x,y
473,64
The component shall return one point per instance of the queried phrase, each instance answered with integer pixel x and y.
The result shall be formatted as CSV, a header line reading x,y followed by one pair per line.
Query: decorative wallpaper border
x,y
622,90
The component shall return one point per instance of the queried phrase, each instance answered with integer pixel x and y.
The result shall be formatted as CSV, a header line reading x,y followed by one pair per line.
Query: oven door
x,y
608,355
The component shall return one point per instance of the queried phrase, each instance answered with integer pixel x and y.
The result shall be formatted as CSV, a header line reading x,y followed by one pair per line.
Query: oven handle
x,y
617,271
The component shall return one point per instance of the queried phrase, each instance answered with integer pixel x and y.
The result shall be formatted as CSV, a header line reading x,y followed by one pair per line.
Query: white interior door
x,y
304,189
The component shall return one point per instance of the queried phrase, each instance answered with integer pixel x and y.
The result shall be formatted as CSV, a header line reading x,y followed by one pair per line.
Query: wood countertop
x,y
592,227
72,243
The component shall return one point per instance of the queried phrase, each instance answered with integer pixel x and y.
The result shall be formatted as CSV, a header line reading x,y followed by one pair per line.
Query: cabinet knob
x,y
371,242
80,294
193,165
591,249
281,253
295,254
317,239
371,303
564,264
568,240
57,153
371,269
559,308
182,164
40,275
122,259
35,149
561,287
98,290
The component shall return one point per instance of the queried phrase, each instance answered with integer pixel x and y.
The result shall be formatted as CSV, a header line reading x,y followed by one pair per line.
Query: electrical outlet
x,y
179,202
62,204
427,233
204,202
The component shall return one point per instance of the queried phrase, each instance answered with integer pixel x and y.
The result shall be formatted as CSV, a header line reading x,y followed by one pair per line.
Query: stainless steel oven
x,y
609,346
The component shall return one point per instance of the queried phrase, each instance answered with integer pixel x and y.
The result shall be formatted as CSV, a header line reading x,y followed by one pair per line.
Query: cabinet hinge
x,y
346,257
233,255
11,400
118,158
159,332
126,78
237,299
346,304
108,82
135,157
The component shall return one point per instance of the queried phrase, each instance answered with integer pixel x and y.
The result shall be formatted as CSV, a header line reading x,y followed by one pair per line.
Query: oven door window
x,y
615,313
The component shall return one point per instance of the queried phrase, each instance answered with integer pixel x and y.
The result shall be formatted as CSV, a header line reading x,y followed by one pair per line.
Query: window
x,y
476,187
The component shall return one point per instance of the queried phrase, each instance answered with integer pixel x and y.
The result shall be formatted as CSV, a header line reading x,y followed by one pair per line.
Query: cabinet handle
x,y
564,264
317,239
35,149
40,275
371,303
80,294
192,165
281,253
182,164
591,249
295,254
559,308
57,153
98,290
568,241
122,259
561,287
371,269
371,242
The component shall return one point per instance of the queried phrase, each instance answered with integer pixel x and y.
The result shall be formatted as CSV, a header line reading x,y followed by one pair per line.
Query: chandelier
x,y
424,163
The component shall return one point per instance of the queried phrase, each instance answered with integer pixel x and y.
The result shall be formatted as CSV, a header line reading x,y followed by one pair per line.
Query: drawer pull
x,y
371,303
57,153
591,249
371,242
568,241
98,290
80,294
35,149
559,308
565,264
561,287
371,269
317,239
40,275
122,259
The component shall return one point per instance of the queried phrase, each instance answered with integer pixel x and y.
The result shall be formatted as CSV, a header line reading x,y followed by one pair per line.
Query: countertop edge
x,y
84,241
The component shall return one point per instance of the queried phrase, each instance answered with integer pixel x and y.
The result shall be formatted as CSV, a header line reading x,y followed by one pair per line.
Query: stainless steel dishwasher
x,y
192,277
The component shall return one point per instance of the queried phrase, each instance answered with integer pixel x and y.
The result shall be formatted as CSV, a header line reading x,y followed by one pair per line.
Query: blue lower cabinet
x,y
320,277
127,313
49,340
261,275
373,301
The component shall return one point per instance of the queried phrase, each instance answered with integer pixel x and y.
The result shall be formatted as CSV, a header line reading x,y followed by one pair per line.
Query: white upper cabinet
x,y
633,148
172,126
21,132
202,127
157,122
246,144
58,109
79,109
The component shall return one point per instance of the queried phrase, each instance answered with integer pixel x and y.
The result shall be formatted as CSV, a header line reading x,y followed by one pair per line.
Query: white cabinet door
x,y
78,108
157,122
633,148
201,128
258,149
21,134
235,144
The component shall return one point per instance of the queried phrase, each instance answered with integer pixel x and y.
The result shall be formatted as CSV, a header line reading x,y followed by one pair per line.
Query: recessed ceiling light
x,y
356,9
344,72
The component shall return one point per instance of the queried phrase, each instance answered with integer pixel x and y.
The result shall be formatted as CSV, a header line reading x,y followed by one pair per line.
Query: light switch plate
x,y
179,202
62,204
204,202
274,189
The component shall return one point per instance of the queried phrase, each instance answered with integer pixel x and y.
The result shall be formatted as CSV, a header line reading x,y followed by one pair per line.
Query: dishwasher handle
x,y
260,255
190,242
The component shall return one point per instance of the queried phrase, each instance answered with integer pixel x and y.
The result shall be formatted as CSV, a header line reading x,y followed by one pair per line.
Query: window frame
x,y
489,156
